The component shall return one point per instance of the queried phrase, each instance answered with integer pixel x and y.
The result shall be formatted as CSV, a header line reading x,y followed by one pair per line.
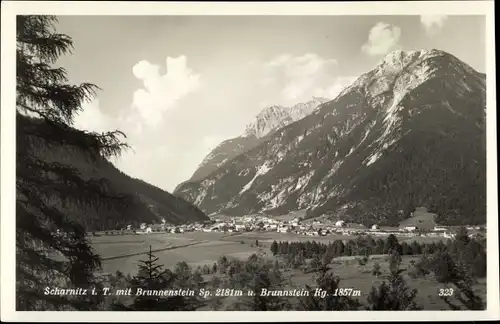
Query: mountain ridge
x,y
139,201
266,122
410,119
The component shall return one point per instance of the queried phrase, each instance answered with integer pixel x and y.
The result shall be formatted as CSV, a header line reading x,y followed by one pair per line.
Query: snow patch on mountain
x,y
373,158
303,180
261,171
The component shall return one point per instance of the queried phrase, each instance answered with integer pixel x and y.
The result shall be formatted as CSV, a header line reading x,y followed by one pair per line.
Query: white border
x,y
11,8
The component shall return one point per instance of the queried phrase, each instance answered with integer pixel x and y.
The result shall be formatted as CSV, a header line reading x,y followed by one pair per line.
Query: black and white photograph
x,y
204,158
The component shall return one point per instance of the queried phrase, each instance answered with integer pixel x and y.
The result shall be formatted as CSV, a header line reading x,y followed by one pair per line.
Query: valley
x,y
122,252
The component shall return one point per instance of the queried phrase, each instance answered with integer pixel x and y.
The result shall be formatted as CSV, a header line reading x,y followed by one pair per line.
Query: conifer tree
x,y
328,282
394,295
46,105
152,276
449,270
274,248
376,269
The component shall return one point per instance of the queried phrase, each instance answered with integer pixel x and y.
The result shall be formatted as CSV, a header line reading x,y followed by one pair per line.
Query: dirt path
x,y
169,247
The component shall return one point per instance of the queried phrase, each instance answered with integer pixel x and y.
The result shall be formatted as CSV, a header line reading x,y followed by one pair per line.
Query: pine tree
x,y
45,108
376,269
270,279
151,276
448,270
464,293
274,248
394,295
328,282
394,261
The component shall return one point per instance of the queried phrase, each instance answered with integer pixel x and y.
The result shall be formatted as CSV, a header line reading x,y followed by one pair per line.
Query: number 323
x,y
446,292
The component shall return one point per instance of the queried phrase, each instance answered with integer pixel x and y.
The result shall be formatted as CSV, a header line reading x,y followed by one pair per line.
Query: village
x,y
420,224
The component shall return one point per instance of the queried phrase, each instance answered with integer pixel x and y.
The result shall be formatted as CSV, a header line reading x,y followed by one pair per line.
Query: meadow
x,y
122,252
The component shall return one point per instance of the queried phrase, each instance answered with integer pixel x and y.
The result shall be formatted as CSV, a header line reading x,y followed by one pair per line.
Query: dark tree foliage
x,y
464,297
254,275
376,269
328,282
394,295
394,261
46,105
460,268
152,276
274,248
362,246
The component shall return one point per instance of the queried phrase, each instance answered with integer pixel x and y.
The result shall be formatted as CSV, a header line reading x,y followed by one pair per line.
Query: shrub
x,y
376,269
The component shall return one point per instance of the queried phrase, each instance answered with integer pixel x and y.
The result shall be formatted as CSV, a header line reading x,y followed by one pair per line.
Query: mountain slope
x,y
140,202
276,117
411,132
265,123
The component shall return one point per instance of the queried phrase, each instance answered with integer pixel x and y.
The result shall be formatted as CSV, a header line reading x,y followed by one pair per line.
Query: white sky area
x,y
178,86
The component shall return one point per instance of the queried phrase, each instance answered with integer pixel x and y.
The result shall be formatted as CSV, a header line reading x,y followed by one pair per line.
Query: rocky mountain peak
x,y
409,132
276,116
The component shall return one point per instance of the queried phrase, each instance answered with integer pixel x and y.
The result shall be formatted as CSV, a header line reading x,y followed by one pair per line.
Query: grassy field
x,y
199,248
196,248
360,278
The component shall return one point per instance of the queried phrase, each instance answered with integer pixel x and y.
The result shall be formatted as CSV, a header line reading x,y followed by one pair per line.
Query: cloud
x,y
93,119
298,78
162,92
433,23
382,39
191,119
334,89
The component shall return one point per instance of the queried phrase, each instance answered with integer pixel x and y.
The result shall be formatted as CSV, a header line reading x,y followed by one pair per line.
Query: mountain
x,y
265,123
139,201
276,117
410,132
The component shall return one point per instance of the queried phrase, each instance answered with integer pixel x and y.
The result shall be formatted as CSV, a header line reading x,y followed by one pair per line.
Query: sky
x,y
177,86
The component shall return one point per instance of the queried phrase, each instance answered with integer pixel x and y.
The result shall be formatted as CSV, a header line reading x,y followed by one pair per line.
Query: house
x,y
449,235
143,226
340,223
410,228
323,232
282,229
148,230
129,227
375,227
239,227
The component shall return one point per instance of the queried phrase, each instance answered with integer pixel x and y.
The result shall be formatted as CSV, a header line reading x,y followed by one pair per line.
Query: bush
x,y
362,261
376,269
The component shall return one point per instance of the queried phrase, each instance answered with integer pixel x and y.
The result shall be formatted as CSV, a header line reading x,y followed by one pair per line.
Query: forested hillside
x,y
134,201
